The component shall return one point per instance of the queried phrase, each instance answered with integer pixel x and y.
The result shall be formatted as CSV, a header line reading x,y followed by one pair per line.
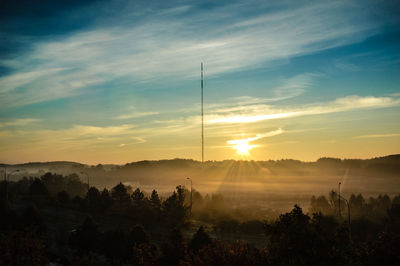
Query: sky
x,y
119,81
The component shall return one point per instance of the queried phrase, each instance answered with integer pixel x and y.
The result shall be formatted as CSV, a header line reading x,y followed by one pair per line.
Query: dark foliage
x,y
34,234
174,251
63,197
85,237
200,239
38,188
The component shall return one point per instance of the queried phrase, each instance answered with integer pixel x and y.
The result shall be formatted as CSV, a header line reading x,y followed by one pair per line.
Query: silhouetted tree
x,y
294,241
121,196
9,217
155,200
137,197
321,205
106,200
143,255
225,253
175,210
173,249
85,237
115,245
138,236
78,203
37,188
32,218
93,199
74,186
63,197
200,239
384,250
53,182
357,205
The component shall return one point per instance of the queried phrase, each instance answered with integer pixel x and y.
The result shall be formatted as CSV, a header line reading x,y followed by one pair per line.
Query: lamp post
x,y
191,194
348,212
340,212
5,182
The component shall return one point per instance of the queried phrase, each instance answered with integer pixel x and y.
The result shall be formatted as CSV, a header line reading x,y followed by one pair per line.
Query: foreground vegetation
x,y
58,219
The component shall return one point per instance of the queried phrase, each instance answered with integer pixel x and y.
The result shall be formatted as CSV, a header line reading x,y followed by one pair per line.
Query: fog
x,y
273,185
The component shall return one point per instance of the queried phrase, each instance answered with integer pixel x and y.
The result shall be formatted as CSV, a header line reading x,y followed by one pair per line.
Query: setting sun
x,y
242,146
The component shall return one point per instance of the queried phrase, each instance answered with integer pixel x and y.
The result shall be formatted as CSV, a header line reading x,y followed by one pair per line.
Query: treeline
x,y
373,209
69,192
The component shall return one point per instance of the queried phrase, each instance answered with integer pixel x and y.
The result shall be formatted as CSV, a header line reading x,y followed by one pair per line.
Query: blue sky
x,y
118,81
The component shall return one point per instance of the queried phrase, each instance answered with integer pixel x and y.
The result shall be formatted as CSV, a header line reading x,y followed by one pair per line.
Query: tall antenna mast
x,y
202,117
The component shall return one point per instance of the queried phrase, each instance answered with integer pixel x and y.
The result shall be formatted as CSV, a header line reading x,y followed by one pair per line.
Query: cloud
x,y
261,112
137,141
377,136
77,137
257,137
19,122
83,130
169,45
136,115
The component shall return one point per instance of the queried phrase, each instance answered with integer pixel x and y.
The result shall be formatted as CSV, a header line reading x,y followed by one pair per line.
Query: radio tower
x,y
202,117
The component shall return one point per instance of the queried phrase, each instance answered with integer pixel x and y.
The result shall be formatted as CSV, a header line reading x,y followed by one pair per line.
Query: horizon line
x,y
199,161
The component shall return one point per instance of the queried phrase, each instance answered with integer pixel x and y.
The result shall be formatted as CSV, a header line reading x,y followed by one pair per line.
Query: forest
x,y
60,219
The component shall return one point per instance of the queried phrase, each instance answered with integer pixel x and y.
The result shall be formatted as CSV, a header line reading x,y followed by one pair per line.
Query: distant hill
x,y
178,162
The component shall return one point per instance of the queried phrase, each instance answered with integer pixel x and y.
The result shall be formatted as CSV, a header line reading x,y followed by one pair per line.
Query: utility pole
x,y
202,116
348,215
5,182
191,194
340,213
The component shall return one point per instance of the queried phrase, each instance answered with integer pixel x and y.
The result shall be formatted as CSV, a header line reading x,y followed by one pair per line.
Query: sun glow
x,y
242,146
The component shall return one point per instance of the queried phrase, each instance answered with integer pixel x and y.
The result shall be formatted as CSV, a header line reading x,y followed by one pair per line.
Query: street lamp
x,y
191,194
348,211
340,212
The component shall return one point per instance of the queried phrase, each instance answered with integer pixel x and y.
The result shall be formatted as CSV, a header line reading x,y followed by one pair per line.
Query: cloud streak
x,y
261,112
19,122
136,115
257,137
372,136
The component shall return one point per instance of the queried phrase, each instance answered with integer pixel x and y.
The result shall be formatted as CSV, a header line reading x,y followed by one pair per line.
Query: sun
x,y
243,148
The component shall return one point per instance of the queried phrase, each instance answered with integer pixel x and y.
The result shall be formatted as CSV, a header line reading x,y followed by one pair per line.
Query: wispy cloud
x,y
371,136
133,141
256,113
257,137
19,122
136,115
83,130
77,137
171,45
